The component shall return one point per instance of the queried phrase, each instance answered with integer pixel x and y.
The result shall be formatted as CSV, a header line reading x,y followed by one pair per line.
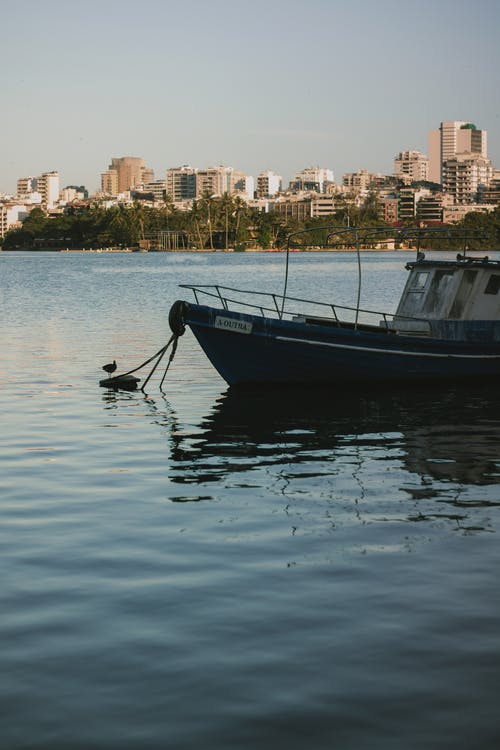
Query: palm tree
x,y
227,207
195,218
241,214
168,209
207,205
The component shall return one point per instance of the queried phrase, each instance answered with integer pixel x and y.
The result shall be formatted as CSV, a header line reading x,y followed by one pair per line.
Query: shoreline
x,y
205,250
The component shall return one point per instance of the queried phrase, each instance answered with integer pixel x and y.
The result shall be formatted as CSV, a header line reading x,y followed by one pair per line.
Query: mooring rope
x,y
172,355
159,353
178,327
163,351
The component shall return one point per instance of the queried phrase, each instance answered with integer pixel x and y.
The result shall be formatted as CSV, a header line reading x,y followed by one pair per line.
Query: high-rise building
x,y
26,185
125,173
312,178
48,187
213,180
408,200
411,166
181,183
452,138
466,175
358,182
186,183
220,180
109,182
268,184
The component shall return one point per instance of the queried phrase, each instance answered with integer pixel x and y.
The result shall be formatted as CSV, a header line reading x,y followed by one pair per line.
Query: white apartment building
x,y
48,187
220,180
188,183
358,182
411,166
212,180
180,183
312,178
244,186
70,194
11,216
268,184
215,180
26,185
454,137
464,175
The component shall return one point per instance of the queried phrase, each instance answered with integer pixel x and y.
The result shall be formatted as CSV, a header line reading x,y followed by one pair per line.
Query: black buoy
x,y
110,368
120,382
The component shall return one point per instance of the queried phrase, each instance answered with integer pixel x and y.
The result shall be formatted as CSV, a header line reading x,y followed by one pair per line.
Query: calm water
x,y
234,570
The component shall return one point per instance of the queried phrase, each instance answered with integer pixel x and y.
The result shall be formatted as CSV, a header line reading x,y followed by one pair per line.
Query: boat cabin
x,y
450,299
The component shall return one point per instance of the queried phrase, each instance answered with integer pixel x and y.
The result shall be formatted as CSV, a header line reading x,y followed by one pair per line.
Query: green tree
x,y
17,239
36,222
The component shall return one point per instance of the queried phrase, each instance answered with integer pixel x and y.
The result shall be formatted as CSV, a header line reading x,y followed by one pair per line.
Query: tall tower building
x,y
181,183
454,137
48,187
465,175
131,172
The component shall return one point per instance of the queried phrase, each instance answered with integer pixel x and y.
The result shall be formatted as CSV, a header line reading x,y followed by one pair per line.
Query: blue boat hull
x,y
247,349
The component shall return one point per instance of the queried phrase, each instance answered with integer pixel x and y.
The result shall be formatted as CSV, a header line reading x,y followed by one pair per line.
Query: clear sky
x,y
261,84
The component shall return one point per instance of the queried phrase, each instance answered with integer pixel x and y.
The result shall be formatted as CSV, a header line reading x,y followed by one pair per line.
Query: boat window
x,y
438,291
420,279
493,284
463,294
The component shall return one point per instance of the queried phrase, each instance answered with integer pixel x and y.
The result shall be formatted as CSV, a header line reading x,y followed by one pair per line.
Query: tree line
x,y
212,223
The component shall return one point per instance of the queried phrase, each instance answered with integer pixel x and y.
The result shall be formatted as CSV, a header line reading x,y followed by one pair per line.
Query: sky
x,y
257,84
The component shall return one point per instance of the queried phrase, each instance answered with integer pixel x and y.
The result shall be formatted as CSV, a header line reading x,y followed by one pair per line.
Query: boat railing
x,y
275,305
334,236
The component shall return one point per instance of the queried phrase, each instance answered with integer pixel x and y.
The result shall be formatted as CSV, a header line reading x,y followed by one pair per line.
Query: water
x,y
218,569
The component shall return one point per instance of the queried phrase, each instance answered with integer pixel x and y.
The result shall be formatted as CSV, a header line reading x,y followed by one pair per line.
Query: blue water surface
x,y
234,569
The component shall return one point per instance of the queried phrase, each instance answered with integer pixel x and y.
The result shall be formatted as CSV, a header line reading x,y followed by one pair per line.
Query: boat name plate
x,y
231,324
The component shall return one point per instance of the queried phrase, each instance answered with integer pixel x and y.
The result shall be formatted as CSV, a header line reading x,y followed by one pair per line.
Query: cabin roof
x,y
460,262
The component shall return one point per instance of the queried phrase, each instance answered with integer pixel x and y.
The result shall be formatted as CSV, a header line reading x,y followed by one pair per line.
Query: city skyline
x,y
270,86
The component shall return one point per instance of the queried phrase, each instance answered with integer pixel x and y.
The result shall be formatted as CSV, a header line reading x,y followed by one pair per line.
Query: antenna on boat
x,y
331,230
356,234
287,261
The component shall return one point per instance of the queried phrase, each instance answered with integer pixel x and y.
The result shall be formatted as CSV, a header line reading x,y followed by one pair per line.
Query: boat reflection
x,y
442,436
410,456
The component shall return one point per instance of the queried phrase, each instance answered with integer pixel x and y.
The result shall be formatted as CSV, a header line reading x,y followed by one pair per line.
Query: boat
x,y
446,325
